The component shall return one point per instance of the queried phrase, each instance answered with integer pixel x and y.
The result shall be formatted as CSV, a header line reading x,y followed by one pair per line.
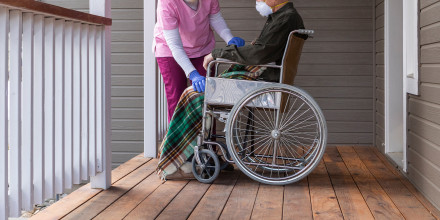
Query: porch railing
x,y
54,101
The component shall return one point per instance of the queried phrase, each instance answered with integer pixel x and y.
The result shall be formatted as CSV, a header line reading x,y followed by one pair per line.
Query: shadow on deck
x,y
351,182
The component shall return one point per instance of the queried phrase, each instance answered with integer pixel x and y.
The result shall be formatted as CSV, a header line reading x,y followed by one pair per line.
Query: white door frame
x,y
401,73
395,94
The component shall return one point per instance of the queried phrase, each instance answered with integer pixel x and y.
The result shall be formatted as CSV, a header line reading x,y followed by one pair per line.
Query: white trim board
x,y
411,46
150,79
395,83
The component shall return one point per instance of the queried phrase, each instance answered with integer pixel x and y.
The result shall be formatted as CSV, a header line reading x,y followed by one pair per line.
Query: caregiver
x,y
182,38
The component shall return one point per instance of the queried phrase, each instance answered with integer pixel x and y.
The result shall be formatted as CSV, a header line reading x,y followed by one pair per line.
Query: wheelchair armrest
x,y
226,61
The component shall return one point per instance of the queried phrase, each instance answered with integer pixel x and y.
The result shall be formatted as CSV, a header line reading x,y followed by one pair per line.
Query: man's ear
x,y
271,3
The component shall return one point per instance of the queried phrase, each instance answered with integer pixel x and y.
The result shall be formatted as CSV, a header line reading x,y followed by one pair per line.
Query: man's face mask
x,y
264,9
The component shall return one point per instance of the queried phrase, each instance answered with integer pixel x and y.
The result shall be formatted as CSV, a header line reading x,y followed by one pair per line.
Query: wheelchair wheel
x,y
276,134
208,169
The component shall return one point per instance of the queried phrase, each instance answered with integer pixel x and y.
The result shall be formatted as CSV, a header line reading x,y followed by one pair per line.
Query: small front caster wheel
x,y
208,169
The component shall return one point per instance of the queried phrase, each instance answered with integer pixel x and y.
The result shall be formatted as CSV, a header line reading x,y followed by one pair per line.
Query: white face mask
x,y
264,9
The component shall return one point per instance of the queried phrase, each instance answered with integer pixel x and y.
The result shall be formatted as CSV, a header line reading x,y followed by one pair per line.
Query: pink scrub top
x,y
194,27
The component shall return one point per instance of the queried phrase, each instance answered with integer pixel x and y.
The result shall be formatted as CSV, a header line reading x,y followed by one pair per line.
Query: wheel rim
x,y
209,168
287,137
206,170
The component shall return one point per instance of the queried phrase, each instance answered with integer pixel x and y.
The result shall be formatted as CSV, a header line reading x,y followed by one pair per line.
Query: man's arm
x,y
265,50
249,55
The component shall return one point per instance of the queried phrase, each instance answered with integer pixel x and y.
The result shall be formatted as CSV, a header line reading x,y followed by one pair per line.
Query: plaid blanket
x,y
180,140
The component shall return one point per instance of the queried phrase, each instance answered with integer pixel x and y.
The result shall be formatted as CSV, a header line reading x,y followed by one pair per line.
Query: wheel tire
x,y
206,172
313,156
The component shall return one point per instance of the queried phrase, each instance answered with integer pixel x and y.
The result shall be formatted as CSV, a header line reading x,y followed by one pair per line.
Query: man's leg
x,y
175,82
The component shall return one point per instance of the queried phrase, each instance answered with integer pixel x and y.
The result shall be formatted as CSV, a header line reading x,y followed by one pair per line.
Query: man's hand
x,y
208,59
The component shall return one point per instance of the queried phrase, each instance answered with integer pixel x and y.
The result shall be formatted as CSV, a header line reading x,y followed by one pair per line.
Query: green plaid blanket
x,y
180,140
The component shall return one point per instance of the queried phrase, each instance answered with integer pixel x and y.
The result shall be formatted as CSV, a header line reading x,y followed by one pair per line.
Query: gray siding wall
x,y
127,75
424,110
336,65
379,76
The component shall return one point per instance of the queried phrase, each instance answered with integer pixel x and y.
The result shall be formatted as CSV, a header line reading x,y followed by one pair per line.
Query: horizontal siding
x,y
379,75
127,75
424,110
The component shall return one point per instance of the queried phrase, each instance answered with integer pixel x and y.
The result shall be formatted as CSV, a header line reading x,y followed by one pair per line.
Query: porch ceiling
x,y
350,182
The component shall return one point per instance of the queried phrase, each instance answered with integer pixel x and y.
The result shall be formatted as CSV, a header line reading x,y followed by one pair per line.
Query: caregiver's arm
x,y
172,37
219,25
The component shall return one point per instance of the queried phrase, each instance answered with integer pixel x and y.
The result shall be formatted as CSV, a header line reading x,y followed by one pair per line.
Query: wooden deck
x,y
350,183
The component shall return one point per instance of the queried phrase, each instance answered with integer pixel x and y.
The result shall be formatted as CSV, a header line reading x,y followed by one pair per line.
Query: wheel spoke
x,y
258,122
264,109
291,106
294,120
253,144
255,116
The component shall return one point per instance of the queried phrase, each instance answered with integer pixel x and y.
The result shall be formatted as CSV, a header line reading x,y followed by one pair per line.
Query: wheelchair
x,y
275,133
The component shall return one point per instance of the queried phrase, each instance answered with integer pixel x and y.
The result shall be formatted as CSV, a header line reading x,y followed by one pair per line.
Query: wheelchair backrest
x,y
292,55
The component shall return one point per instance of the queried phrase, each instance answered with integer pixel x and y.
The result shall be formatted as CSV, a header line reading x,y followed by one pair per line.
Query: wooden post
x,y
103,179
150,81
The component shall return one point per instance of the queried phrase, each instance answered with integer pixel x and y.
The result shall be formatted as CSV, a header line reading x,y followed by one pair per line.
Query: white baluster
x,y
99,77
68,82
4,75
49,158
92,100
27,139
38,109
77,103
84,101
59,106
16,32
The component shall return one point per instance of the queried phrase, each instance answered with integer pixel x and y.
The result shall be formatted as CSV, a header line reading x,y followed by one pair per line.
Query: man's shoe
x,y
229,167
226,166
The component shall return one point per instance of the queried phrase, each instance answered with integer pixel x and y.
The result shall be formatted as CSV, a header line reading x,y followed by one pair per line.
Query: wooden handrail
x,y
35,6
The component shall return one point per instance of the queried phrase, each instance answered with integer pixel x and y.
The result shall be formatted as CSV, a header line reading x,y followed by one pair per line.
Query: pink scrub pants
x,y
175,79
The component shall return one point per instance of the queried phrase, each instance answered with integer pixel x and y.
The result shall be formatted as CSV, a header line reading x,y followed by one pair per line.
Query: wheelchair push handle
x,y
305,31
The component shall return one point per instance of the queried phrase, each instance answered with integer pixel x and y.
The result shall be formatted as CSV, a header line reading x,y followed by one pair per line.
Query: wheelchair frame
x,y
224,116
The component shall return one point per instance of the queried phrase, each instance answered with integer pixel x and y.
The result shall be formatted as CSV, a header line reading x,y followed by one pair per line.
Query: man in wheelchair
x,y
180,140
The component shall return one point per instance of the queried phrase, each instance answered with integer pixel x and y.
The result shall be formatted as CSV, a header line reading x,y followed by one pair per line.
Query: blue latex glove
x,y
198,81
239,42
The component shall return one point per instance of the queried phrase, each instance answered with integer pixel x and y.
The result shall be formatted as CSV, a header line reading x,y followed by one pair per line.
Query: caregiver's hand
x,y
239,42
207,60
198,81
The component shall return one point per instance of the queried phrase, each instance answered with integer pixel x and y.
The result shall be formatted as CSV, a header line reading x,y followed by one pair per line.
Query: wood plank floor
x,y
349,183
